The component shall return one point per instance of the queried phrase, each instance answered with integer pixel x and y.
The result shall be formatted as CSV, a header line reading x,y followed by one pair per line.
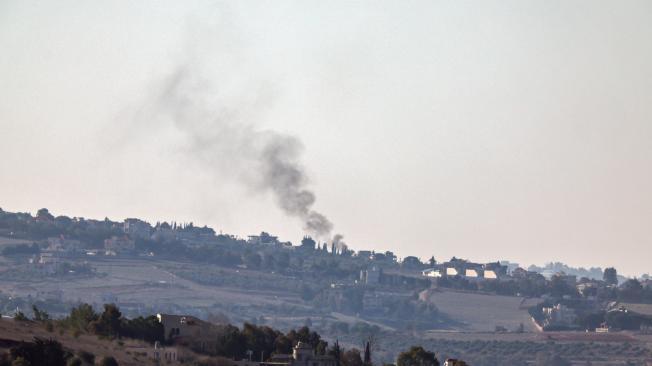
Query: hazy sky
x,y
488,130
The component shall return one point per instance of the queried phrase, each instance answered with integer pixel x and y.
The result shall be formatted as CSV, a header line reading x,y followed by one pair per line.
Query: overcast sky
x,y
516,130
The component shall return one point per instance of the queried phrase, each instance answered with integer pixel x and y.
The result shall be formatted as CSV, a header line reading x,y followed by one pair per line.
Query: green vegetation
x,y
39,352
417,356
111,323
21,249
108,361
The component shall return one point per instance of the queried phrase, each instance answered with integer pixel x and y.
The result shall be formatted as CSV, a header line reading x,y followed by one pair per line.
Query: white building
x,y
431,273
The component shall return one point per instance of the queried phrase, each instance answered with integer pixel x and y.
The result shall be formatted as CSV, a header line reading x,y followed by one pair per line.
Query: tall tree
x,y
610,276
417,356
40,352
352,358
367,355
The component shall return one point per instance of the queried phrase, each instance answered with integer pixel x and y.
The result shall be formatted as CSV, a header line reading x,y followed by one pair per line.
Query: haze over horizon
x,y
515,130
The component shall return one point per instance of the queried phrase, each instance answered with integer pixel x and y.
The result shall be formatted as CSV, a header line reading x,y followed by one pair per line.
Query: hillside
x,y
482,312
126,352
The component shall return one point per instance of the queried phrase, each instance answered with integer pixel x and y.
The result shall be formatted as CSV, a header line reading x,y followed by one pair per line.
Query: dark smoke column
x,y
217,129
287,181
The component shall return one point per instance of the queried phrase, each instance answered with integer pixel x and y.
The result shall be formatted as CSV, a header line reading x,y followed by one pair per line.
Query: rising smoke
x,y
217,132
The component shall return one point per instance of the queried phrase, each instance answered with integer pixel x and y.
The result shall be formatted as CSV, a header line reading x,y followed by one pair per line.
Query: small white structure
x,y
431,273
451,271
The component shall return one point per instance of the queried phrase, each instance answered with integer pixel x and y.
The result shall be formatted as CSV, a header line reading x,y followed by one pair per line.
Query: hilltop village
x,y
183,271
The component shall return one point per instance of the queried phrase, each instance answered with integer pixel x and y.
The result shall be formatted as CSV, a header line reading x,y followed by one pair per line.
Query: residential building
x,y
412,262
498,270
590,289
432,272
371,276
454,362
119,244
490,274
263,238
302,355
520,273
603,328
472,273
63,244
137,229
469,270
391,256
188,330
559,315
365,254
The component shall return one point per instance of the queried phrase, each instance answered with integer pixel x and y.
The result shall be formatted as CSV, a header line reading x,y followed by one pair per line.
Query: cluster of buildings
x,y
375,275
466,269
187,233
386,257
266,239
133,230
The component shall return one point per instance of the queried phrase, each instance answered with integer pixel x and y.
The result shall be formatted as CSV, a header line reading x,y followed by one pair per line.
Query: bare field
x,y
538,337
476,312
146,286
645,309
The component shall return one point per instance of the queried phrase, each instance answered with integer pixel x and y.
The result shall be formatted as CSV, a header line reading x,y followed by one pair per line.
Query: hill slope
x,y
126,352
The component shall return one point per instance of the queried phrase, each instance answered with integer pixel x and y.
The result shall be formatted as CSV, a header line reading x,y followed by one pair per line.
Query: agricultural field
x,y
144,286
476,312
645,309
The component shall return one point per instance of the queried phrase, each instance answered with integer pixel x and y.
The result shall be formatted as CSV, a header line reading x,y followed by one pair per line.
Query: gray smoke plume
x,y
339,242
215,125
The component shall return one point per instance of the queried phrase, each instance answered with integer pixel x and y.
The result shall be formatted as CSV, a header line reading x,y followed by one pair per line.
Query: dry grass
x,y
645,309
26,331
477,312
